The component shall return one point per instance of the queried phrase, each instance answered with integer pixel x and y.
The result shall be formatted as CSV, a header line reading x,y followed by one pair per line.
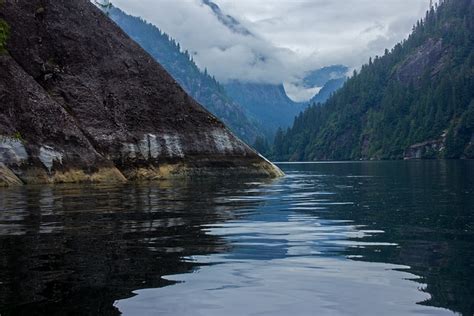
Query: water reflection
x,y
329,239
76,249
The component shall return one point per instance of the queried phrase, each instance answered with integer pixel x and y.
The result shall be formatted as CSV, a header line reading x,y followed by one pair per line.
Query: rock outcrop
x,y
432,149
80,101
427,57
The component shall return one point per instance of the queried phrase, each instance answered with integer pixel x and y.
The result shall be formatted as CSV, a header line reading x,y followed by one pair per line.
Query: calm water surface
x,y
379,238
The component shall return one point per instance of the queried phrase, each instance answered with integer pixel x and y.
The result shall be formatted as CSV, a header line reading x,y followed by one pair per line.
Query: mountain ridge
x,y
267,103
227,20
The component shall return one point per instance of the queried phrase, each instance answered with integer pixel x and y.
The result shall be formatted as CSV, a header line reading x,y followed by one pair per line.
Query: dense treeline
x,y
422,90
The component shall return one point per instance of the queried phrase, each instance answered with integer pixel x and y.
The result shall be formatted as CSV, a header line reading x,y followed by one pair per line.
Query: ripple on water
x,y
328,239
286,258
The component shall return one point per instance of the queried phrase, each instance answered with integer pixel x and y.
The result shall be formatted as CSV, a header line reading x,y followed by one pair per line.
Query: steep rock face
x,y
81,99
427,56
38,135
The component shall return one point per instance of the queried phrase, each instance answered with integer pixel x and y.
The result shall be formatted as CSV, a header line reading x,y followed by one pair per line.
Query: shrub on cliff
x,y
4,31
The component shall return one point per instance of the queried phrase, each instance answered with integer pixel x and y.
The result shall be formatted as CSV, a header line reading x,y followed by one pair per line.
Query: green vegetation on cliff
x,y
420,91
4,32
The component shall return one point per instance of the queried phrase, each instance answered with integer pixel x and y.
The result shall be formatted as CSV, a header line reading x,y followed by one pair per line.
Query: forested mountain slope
x,y
416,101
267,103
270,105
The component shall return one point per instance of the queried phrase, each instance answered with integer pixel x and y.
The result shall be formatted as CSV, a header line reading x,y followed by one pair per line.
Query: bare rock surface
x,y
80,101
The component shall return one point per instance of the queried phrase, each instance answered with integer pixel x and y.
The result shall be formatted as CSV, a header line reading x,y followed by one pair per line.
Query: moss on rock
x,y
4,33
102,175
7,177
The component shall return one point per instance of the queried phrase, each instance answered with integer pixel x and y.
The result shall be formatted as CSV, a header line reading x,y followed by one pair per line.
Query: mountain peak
x,y
227,20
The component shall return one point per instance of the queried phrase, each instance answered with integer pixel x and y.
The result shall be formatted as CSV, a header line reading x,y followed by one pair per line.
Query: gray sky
x,y
287,37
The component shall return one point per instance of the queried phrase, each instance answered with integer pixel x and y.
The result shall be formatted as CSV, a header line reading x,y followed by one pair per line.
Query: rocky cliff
x,y
80,101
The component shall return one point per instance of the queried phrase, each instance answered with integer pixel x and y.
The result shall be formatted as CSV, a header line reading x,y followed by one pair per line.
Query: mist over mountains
x,y
288,38
200,85
253,82
227,20
250,109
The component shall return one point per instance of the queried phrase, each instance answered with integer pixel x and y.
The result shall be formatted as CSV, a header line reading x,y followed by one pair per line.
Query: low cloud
x,y
278,41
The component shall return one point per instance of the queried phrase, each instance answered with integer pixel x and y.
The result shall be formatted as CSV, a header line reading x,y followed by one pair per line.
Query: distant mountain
x,y
328,89
268,103
319,77
200,85
271,106
329,79
227,20
417,101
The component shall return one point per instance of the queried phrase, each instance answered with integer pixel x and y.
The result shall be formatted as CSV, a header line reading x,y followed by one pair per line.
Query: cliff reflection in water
x,y
69,250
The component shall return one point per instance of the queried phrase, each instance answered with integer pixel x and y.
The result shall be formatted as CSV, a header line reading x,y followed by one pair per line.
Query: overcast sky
x,y
279,40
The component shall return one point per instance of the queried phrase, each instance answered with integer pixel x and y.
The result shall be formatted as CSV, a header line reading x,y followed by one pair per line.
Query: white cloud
x,y
300,94
289,38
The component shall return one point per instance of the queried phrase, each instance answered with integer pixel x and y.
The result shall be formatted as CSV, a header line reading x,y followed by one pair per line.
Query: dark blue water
x,y
378,238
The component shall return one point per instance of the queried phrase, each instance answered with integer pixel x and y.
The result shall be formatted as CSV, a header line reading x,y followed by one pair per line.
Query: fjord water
x,y
369,238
